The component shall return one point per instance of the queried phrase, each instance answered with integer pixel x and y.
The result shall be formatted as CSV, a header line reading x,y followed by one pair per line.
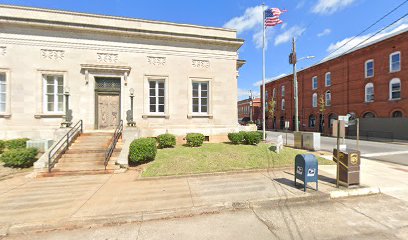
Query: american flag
x,y
272,17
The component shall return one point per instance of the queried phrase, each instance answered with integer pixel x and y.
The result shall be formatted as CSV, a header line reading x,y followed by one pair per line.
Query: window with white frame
x,y
283,104
369,92
395,62
369,68
314,82
314,100
3,92
200,97
283,91
328,79
395,89
53,93
266,96
328,98
274,93
156,96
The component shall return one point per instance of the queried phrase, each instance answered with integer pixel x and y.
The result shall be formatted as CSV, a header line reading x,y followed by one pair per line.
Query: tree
x,y
271,109
322,110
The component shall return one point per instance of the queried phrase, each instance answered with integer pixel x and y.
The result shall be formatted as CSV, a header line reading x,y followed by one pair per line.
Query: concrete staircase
x,y
86,156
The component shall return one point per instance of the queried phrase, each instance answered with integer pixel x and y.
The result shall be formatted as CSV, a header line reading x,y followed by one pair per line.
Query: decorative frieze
x,y
205,64
52,54
156,61
3,51
107,57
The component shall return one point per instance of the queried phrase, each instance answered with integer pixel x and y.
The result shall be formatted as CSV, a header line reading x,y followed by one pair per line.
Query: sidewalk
x,y
78,201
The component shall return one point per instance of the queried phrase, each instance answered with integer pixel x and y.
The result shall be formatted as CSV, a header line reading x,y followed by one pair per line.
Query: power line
x,y
383,17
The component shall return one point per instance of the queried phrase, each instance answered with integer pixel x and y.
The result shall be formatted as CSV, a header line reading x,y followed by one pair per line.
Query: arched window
x,y
314,100
395,89
283,91
395,61
332,117
328,79
282,122
369,68
397,114
283,104
314,82
274,93
312,121
369,115
328,98
369,92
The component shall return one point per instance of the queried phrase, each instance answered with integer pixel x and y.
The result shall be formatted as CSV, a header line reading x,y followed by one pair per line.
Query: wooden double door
x,y
108,110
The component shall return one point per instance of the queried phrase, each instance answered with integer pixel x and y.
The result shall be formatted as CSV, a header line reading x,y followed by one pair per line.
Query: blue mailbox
x,y
306,169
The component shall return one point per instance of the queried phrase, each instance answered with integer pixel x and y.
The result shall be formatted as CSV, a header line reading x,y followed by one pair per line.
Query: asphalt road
x,y
382,151
353,218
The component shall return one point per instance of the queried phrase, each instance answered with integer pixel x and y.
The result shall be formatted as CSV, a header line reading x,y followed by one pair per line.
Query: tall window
x,y
369,92
369,115
283,91
3,92
266,96
314,100
328,79
312,121
314,82
283,104
395,62
156,96
200,97
53,93
274,93
369,68
328,98
395,89
397,114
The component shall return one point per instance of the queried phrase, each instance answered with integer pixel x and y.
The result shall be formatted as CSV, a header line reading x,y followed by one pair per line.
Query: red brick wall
x,y
348,85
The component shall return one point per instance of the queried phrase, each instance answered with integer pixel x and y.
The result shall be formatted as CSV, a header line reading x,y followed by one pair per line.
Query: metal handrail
x,y
63,144
116,135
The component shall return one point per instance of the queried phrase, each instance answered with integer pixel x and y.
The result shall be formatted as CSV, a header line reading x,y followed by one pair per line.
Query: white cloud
x,y
286,36
251,19
399,27
327,7
325,32
259,83
300,4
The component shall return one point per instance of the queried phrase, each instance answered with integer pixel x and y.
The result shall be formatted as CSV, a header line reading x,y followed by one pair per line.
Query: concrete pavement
x,y
352,218
382,151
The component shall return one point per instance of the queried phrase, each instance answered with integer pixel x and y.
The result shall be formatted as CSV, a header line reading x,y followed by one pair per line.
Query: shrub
x,y
166,140
20,157
142,150
2,146
236,138
195,139
252,138
16,143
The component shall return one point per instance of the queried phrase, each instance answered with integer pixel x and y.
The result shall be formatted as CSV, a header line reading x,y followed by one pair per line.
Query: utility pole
x,y
250,105
263,73
293,60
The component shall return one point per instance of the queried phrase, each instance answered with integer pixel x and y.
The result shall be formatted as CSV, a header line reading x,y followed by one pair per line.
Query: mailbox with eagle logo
x,y
306,169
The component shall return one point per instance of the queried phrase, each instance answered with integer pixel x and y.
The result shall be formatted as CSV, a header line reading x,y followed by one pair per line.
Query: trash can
x,y
306,169
349,170
298,140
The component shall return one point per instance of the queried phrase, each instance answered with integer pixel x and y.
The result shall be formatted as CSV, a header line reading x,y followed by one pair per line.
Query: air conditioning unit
x,y
41,144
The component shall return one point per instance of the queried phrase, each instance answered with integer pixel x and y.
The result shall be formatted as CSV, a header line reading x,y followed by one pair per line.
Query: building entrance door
x,y
107,99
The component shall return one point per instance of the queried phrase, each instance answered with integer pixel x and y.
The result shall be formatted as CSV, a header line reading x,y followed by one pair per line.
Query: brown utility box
x,y
349,172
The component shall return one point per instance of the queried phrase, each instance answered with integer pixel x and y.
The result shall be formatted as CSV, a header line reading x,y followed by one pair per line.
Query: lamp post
x,y
293,60
67,121
132,95
250,105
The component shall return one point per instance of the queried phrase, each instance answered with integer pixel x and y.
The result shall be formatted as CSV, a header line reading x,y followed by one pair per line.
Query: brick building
x,y
370,81
244,108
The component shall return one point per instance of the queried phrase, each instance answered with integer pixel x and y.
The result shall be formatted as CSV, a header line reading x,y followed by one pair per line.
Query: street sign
x,y
286,124
345,119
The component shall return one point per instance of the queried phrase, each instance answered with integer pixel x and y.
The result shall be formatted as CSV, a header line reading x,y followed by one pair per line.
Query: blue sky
x,y
322,24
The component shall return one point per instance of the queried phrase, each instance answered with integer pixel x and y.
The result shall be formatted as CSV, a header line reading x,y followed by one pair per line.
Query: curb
x,y
355,192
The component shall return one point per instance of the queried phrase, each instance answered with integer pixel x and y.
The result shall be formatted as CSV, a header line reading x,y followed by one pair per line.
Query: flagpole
x,y
263,73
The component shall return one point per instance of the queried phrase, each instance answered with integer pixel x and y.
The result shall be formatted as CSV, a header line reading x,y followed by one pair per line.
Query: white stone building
x,y
184,77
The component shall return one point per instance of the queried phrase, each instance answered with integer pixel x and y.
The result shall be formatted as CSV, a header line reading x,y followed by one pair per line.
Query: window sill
x,y
209,116
395,71
49,115
369,77
5,115
394,99
146,116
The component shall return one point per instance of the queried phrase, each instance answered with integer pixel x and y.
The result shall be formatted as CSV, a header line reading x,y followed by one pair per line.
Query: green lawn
x,y
218,157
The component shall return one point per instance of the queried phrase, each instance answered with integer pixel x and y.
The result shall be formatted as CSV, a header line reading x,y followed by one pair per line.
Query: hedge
x,y
142,150
166,140
252,138
16,143
2,146
195,139
19,158
236,138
